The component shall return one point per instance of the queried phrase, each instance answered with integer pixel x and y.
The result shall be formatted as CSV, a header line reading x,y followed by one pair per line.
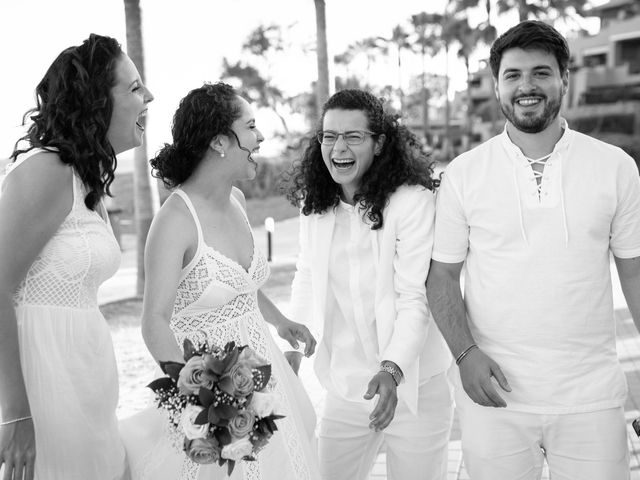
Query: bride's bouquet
x,y
218,403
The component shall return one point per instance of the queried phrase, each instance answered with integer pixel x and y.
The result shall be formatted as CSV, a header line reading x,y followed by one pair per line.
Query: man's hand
x,y
18,450
476,370
294,359
384,386
293,332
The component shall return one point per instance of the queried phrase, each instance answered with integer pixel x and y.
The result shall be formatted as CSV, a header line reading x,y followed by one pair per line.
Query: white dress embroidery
x,y
66,351
217,302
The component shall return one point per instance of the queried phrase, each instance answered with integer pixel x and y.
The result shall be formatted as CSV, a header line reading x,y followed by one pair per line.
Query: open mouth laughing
x,y
342,163
140,120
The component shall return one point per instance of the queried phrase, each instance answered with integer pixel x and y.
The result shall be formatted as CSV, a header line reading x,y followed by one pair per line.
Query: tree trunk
x,y
144,201
469,122
448,143
322,86
425,97
400,92
523,12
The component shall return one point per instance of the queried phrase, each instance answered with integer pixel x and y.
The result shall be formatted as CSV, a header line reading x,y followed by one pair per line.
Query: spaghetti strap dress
x,y
216,302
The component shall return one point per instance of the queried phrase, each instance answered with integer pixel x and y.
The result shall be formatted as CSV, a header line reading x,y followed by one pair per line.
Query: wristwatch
x,y
393,370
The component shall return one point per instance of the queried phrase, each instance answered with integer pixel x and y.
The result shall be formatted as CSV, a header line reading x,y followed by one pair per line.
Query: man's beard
x,y
532,123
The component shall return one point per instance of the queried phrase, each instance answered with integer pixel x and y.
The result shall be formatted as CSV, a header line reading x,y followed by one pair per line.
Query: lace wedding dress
x,y
67,357
217,302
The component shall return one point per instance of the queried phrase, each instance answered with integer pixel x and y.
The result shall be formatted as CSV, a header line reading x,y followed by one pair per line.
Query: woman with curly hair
x,y
366,230
204,276
58,376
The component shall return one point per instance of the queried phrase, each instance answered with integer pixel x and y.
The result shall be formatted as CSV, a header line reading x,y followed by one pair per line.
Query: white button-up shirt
x,y
350,320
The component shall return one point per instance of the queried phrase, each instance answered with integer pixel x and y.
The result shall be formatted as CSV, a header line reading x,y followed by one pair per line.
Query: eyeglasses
x,y
353,137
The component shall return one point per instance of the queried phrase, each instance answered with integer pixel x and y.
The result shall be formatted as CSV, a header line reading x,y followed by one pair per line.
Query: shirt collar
x,y
561,145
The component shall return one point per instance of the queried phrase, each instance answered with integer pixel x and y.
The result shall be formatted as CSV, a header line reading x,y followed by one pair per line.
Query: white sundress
x,y
67,356
217,302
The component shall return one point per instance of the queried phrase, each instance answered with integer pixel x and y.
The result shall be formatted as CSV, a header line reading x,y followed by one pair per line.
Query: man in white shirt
x,y
533,214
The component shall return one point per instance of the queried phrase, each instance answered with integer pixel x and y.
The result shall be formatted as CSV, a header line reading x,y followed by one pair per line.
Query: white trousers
x,y
416,445
503,444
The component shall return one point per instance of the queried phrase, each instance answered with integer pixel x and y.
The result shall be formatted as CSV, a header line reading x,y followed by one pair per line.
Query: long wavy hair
x,y
73,111
402,161
202,114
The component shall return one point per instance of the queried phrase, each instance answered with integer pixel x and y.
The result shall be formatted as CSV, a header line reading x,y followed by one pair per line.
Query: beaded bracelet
x,y
9,422
465,353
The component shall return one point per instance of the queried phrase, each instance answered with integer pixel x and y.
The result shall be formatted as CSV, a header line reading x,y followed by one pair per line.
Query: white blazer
x,y
406,332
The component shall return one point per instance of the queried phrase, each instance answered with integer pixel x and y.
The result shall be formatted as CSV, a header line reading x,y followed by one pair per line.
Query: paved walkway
x,y
122,286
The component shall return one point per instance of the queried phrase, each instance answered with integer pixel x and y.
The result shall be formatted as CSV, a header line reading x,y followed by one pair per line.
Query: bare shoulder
x,y
173,225
42,179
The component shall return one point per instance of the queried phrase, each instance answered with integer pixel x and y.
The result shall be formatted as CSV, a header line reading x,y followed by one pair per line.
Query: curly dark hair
x,y
73,113
204,113
402,161
530,35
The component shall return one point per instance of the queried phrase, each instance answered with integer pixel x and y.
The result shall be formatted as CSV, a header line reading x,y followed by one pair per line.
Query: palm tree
x,y
144,201
469,39
540,9
400,40
423,24
438,35
322,86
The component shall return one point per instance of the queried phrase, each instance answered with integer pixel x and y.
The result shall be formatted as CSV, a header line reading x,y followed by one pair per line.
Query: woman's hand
x,y
18,450
293,332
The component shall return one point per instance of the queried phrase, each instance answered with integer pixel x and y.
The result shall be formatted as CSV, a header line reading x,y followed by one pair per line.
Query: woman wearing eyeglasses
x,y
366,231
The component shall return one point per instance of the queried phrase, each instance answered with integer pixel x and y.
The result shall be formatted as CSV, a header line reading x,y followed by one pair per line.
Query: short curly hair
x,y
204,113
402,161
530,35
73,112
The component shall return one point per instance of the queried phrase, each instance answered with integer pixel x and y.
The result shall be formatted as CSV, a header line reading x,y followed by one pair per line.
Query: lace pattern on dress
x,y
237,320
75,261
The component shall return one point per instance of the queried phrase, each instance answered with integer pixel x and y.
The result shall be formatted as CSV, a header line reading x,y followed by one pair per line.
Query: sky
x,y
185,42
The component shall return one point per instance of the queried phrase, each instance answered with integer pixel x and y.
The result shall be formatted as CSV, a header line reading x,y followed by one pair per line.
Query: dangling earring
x,y
222,153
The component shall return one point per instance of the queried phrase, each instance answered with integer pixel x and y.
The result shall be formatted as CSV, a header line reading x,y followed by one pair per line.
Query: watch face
x,y
636,426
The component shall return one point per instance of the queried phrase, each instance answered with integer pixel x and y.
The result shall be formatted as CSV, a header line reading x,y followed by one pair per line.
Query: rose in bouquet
x,y
218,402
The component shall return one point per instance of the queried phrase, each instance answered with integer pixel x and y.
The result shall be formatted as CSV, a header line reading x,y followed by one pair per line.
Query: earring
x,y
222,153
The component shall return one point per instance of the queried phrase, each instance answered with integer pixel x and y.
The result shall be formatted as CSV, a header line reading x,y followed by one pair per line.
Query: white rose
x,y
190,429
237,450
263,404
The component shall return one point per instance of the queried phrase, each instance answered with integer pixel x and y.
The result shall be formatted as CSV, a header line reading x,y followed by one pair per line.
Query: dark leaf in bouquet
x,y
213,416
229,346
261,376
202,418
206,397
172,369
226,385
274,416
162,383
226,411
214,364
230,359
230,465
223,436
260,428
271,425
189,349
249,458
